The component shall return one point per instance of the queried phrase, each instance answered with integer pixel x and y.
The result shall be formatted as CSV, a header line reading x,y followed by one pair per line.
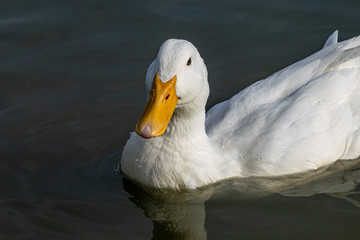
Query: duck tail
x,y
332,39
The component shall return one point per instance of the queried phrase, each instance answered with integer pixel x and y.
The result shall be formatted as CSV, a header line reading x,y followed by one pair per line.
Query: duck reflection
x,y
341,181
175,215
181,214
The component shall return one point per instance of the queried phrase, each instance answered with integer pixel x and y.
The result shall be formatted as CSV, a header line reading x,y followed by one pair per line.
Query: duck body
x,y
300,118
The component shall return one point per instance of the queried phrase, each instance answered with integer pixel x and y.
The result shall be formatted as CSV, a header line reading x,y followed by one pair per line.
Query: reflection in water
x,y
333,181
181,215
175,215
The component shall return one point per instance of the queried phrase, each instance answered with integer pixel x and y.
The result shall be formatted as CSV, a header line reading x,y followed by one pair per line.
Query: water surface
x,y
71,90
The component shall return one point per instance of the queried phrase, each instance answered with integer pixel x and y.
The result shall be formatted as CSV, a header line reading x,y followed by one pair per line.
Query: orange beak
x,y
159,109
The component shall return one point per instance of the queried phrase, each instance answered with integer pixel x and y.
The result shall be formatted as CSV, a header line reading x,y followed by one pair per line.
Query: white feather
x,y
332,39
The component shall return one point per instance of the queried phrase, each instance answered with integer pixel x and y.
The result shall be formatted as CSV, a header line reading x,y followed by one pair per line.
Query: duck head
x,y
177,78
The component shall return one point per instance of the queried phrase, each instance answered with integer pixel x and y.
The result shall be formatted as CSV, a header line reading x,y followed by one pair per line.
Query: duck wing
x,y
302,117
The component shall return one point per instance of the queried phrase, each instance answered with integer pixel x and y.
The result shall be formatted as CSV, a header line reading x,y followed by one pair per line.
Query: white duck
x,y
300,118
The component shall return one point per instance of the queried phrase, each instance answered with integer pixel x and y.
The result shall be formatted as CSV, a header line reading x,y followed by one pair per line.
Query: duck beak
x,y
159,109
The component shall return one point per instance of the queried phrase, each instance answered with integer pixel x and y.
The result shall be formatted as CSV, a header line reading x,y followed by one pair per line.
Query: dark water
x,y
71,90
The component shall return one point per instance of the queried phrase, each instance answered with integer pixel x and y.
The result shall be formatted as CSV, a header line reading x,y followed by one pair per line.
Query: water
x,y
71,90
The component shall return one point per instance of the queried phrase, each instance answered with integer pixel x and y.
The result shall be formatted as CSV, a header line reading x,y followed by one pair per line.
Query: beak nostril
x,y
167,97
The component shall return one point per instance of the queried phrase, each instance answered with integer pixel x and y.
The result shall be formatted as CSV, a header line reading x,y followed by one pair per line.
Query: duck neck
x,y
188,122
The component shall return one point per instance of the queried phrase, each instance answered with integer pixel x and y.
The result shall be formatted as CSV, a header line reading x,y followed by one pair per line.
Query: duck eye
x,y
188,62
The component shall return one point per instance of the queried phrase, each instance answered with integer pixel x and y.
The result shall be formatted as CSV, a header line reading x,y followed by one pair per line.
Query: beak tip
x,y
146,132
